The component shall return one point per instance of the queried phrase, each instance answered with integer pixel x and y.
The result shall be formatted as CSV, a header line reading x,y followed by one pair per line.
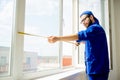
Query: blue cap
x,y
87,13
90,13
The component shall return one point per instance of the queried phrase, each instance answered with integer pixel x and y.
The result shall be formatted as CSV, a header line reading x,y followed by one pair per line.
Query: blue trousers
x,y
98,76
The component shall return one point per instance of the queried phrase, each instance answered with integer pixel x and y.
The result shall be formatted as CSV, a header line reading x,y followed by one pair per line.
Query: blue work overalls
x,y
96,51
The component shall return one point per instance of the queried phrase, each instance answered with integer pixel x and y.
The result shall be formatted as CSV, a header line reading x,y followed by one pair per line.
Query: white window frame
x,y
17,72
105,22
17,42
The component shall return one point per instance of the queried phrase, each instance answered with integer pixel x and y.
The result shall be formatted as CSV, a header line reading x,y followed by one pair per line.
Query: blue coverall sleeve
x,y
89,33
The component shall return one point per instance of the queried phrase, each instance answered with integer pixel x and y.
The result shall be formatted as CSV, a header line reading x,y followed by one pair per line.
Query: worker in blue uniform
x,y
96,48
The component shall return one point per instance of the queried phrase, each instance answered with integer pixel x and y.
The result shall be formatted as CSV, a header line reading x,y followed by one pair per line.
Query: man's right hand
x,y
53,39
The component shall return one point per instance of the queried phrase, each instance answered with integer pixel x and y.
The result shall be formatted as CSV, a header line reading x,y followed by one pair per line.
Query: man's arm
x,y
53,39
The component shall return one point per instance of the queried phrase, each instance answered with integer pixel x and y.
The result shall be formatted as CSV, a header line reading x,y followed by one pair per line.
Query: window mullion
x,y
17,40
75,26
60,30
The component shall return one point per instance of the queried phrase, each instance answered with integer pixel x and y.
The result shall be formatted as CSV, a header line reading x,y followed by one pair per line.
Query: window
x,y
67,56
3,60
100,10
32,56
41,18
6,20
95,7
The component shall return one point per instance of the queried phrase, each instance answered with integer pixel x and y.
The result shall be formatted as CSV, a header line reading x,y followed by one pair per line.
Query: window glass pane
x,y
98,8
6,16
41,18
67,29
95,7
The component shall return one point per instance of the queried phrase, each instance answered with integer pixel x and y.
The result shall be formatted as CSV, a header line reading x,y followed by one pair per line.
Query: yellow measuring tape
x,y
31,34
41,36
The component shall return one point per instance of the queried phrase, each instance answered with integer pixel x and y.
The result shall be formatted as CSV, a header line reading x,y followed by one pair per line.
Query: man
x,y
96,49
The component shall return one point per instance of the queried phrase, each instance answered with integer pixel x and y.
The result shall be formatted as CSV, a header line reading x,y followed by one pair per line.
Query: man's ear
x,y
91,17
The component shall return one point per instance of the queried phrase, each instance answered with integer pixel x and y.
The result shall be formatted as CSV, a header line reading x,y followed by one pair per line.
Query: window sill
x,y
62,75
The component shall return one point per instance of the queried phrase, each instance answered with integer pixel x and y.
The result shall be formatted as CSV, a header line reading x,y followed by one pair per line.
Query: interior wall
x,y
117,30
115,27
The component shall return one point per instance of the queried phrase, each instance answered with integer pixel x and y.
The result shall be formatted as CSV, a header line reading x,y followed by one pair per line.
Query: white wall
x,y
115,24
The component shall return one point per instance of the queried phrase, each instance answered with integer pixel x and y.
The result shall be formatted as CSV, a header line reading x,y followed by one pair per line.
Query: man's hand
x,y
77,44
53,39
